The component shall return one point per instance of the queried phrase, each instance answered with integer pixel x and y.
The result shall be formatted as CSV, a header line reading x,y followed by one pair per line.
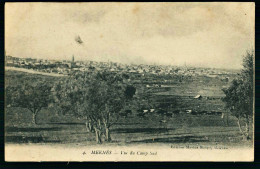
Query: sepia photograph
x,y
129,81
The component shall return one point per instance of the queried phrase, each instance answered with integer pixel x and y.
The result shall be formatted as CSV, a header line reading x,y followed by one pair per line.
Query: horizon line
x,y
151,64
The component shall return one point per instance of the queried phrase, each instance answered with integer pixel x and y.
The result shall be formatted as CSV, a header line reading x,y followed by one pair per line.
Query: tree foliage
x,y
239,96
98,97
33,97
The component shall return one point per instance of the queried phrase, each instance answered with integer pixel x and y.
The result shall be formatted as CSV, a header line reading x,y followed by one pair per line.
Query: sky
x,y
213,35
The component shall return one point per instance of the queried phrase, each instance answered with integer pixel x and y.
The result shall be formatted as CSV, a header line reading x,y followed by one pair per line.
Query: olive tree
x,y
99,97
33,97
239,96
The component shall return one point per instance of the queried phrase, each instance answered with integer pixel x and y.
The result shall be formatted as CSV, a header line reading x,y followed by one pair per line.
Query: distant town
x,y
66,67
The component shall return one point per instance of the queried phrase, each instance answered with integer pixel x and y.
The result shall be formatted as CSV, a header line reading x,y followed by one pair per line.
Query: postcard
x,y
118,81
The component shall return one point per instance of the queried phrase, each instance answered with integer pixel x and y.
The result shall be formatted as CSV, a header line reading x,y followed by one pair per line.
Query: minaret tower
x,y
73,59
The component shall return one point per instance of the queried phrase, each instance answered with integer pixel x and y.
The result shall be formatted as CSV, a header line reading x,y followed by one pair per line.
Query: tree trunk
x,y
98,136
247,128
239,125
108,136
106,125
87,126
98,132
223,118
245,133
90,126
34,118
227,119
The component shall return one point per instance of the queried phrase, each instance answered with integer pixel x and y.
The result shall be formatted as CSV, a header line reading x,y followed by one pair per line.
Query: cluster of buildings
x,y
66,67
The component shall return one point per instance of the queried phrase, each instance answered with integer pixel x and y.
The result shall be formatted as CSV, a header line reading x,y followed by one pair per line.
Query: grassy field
x,y
56,128
181,128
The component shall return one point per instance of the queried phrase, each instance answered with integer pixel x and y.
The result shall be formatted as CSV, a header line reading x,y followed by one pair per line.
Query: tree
x,y
108,96
33,97
96,96
239,96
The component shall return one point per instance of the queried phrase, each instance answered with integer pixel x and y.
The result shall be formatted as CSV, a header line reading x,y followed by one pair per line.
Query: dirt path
x,y
33,71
